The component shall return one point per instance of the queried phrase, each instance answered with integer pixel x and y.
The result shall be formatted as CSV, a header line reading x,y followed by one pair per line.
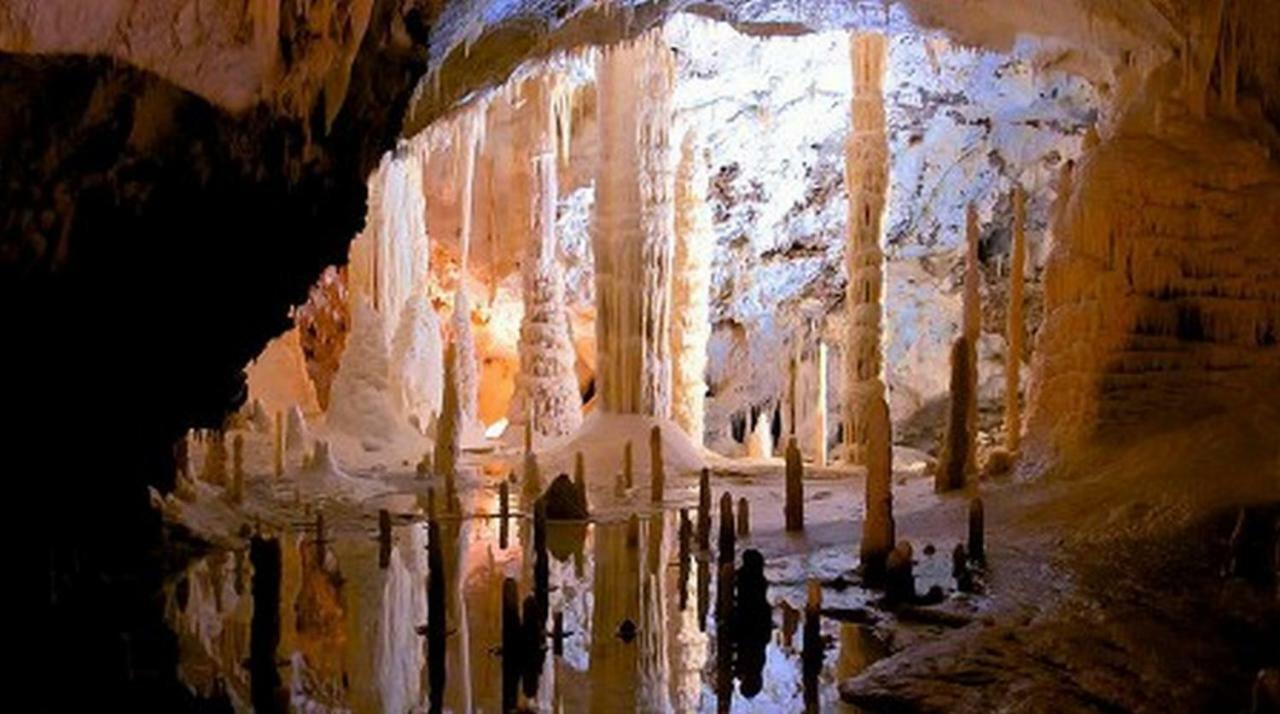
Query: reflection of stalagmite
x,y
867,178
264,634
616,600
877,524
546,387
635,223
1014,329
691,290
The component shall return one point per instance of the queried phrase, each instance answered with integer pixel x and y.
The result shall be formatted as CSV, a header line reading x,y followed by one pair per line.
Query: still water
x,y
330,618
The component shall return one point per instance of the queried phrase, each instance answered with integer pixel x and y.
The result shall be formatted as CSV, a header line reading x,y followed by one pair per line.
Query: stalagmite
x,y
951,470
691,289
296,434
359,400
530,476
448,432
812,650
900,580
635,226
760,440
867,179
877,524
972,332
704,510
744,517
546,386
792,374
977,536
657,477
794,503
417,363
1014,328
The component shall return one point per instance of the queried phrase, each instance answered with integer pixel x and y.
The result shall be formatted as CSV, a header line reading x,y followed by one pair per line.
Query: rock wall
x,y
1162,292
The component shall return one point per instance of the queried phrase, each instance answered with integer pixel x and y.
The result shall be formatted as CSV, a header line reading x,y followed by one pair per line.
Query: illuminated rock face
x,y
635,226
691,278
867,178
1162,292
546,388
278,377
417,362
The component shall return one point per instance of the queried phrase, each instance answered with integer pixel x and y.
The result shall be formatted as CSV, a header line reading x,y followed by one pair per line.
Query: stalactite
x,y
691,290
867,179
877,524
1014,328
546,386
635,223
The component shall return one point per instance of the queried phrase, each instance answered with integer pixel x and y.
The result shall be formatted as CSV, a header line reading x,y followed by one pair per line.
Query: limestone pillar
x,y
546,388
819,447
1014,329
634,227
867,179
691,290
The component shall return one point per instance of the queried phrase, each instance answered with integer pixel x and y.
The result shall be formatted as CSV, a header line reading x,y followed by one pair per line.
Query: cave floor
x,y
1099,594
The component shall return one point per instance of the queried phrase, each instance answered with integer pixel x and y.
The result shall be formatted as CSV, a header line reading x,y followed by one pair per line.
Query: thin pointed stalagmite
x,y
952,466
744,517
867,176
557,633
728,538
1014,328
794,501
579,468
685,536
792,372
657,475
704,510
977,536
877,523
384,538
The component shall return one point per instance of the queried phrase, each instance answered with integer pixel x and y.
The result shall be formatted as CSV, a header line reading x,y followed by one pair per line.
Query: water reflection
x,y
440,617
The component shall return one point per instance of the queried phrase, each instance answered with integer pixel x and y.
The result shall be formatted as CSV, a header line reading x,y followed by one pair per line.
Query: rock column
x,y
691,291
635,226
1014,329
867,178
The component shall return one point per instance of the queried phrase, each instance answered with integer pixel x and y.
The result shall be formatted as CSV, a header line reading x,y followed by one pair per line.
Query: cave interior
x,y
427,355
